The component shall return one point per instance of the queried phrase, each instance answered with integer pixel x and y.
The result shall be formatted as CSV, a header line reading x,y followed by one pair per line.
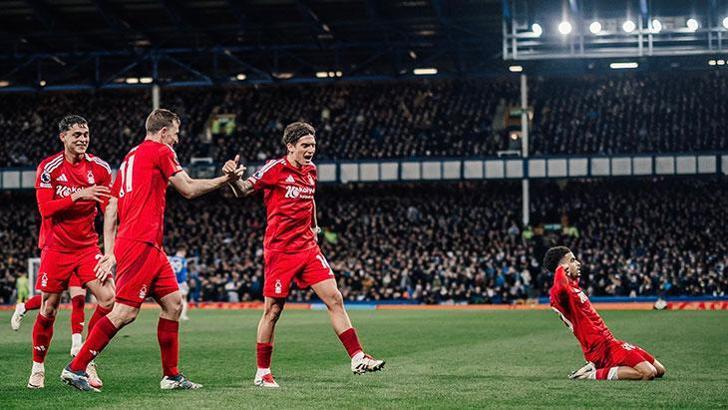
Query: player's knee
x,y
335,301
49,310
648,373
272,313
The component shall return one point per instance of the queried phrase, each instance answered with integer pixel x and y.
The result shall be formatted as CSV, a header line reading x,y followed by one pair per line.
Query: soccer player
x,y
78,316
69,186
138,199
607,357
179,266
290,248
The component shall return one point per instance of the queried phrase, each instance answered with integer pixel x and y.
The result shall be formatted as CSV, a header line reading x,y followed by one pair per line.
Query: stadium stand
x,y
628,113
450,243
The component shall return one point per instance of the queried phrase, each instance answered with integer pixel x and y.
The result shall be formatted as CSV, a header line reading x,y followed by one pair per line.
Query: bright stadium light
x,y
43,82
132,80
621,66
720,62
536,29
241,77
425,71
692,24
595,27
725,23
564,27
321,74
515,68
628,26
656,26
146,80
4,84
711,62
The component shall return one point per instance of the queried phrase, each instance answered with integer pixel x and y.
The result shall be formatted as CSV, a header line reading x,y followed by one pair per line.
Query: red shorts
x,y
307,268
141,270
58,270
621,353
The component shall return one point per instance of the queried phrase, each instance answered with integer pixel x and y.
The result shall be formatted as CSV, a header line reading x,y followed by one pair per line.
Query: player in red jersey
x,y
607,357
78,300
139,199
69,187
290,248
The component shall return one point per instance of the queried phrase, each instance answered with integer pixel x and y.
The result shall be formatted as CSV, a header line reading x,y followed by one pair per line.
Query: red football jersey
x,y
570,302
288,196
68,226
141,187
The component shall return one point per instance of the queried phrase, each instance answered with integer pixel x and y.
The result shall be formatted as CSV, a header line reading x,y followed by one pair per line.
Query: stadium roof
x,y
255,37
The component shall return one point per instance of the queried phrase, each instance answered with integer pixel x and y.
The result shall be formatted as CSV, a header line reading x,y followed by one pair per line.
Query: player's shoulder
x,y
51,162
99,163
270,167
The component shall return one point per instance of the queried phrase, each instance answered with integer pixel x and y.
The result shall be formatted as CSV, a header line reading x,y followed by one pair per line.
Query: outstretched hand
x,y
233,170
104,267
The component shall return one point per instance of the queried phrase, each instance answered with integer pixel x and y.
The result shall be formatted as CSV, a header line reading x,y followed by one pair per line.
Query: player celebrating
x,y
78,301
179,266
607,357
143,269
290,248
69,185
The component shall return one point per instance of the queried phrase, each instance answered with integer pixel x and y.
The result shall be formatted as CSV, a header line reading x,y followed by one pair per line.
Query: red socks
x,y
607,373
42,334
77,314
33,303
265,351
168,337
98,314
97,339
350,341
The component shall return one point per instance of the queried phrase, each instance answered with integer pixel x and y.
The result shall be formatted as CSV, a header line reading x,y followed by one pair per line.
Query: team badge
x,y
90,177
143,292
44,280
279,287
310,180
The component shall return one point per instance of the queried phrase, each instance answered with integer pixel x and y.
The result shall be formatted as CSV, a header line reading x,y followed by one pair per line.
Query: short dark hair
x,y
159,119
69,121
297,130
553,257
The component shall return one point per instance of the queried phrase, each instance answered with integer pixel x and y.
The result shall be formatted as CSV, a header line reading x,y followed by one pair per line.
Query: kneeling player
x,y
290,249
608,358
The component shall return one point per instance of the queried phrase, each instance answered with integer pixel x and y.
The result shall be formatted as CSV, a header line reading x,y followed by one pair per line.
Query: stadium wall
x,y
444,169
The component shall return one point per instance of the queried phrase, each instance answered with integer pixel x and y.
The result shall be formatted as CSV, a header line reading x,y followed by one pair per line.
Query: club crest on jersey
x,y
310,180
143,292
43,280
90,177
278,287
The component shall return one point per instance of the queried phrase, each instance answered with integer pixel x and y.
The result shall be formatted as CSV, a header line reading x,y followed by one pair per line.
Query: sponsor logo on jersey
x,y
90,178
43,280
290,180
299,192
582,297
279,287
62,178
143,292
64,191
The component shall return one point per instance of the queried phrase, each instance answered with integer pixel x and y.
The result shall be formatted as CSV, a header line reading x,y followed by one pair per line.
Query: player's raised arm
x,y
240,187
192,188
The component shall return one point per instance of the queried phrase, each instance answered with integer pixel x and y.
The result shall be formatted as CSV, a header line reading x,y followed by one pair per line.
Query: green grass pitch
x,y
435,359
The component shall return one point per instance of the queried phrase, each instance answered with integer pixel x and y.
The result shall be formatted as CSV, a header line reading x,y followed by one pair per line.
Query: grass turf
x,y
435,359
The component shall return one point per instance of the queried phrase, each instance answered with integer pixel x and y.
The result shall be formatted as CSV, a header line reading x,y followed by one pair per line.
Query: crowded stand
x,y
447,243
625,113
